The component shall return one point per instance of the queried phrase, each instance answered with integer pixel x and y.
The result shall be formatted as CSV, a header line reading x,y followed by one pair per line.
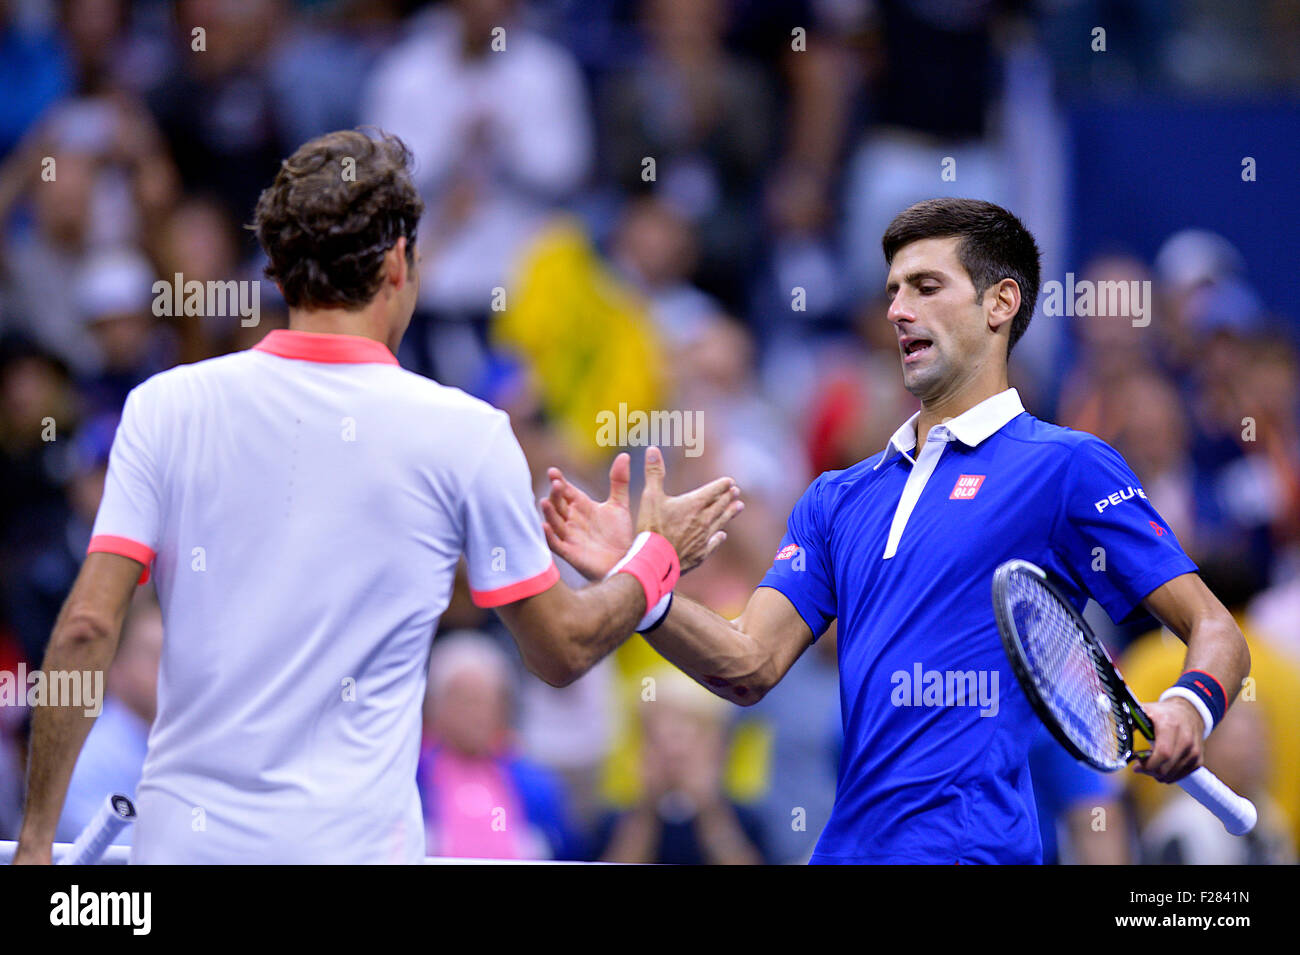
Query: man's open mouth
x,y
916,346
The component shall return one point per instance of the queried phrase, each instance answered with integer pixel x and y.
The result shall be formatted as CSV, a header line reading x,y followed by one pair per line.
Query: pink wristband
x,y
653,562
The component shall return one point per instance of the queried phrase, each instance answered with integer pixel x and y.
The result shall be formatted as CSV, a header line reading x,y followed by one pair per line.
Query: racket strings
x,y
1064,664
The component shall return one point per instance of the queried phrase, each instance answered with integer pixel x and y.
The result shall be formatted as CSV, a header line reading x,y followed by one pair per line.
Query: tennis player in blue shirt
x,y
900,549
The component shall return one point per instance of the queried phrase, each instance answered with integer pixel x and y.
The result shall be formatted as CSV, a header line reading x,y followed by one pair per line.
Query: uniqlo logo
x,y
967,486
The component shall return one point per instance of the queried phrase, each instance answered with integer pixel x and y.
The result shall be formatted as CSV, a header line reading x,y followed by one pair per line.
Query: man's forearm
x,y
84,639
1214,644
58,731
606,614
713,651
562,633
1217,647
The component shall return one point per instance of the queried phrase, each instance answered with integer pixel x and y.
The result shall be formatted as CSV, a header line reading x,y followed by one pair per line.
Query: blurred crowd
x,y
672,204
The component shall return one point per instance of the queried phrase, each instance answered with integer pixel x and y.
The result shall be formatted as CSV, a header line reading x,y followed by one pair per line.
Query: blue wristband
x,y
1208,690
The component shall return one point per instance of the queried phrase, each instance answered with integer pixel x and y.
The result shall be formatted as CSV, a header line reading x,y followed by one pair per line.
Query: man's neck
x,y
942,408
366,323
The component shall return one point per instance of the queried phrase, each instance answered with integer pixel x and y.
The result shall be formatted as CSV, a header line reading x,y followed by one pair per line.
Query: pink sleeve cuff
x,y
519,590
123,547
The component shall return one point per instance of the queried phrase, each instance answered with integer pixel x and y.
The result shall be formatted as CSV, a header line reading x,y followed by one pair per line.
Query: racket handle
x,y
100,832
1237,813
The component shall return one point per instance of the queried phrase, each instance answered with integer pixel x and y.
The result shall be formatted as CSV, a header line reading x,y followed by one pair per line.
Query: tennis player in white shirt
x,y
302,507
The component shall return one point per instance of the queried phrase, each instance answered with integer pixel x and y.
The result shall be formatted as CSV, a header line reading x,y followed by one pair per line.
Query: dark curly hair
x,y
336,206
995,245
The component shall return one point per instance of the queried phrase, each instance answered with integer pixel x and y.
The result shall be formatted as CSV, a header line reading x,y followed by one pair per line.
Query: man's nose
x,y
899,310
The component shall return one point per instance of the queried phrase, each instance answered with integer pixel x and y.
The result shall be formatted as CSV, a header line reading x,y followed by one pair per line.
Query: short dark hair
x,y
995,245
325,232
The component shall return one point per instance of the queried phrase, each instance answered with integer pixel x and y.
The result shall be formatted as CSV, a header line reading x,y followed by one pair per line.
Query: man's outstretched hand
x,y
590,536
593,537
692,522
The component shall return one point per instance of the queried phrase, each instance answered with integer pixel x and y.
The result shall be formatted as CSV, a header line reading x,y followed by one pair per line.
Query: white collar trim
x,y
972,427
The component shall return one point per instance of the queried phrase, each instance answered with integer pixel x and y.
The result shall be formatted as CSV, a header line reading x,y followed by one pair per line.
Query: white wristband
x,y
1185,694
655,614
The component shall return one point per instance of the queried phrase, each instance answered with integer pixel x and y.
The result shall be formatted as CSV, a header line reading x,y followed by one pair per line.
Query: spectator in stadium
x,y
654,247
740,433
115,297
1139,38
217,107
705,117
1273,688
318,64
1273,420
35,391
38,258
197,241
1150,428
94,38
45,563
481,799
1239,486
113,757
1186,263
34,71
1276,612
90,172
800,785
95,171
799,293
500,139
1183,833
683,816
1080,813
808,47
570,731
923,121
1111,348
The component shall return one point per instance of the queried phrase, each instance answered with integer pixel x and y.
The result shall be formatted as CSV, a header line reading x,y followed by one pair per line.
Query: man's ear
x,y
398,267
1003,301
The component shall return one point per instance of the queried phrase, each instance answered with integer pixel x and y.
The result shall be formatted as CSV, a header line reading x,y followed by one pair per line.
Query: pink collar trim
x,y
324,347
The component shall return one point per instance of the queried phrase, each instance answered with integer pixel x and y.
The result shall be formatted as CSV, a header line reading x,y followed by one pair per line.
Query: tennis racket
x,y
1073,686
114,813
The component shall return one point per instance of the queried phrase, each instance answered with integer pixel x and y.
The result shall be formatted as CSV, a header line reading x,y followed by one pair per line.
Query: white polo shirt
x,y
303,506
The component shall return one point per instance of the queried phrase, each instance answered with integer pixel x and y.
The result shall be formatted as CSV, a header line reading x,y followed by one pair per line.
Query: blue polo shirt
x,y
901,549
